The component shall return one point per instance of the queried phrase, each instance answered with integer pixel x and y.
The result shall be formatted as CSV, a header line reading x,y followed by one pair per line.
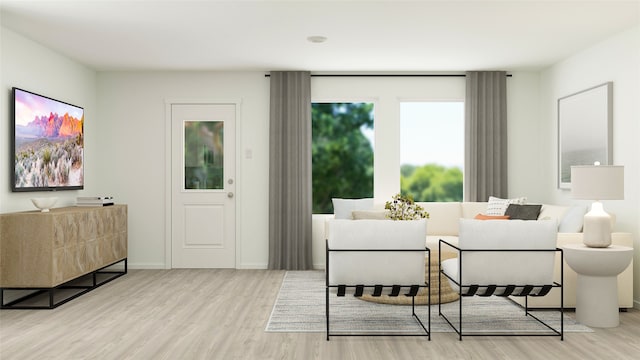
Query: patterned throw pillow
x,y
497,206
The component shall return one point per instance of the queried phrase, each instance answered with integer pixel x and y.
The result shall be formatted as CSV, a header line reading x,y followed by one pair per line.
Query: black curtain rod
x,y
387,75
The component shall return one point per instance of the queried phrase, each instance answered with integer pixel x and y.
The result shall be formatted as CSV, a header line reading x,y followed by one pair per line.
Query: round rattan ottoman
x,y
448,295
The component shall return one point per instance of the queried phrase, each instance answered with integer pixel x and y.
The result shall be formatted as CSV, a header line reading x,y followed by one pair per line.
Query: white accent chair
x,y
503,258
371,256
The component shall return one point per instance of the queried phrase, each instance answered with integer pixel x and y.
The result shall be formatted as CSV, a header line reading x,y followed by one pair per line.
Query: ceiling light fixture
x,y
317,39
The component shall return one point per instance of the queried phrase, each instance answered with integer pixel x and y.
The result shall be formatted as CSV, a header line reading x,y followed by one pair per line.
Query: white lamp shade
x,y
597,182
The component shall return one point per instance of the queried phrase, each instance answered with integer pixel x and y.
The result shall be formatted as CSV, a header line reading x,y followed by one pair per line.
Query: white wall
x,y
132,106
616,59
33,67
525,134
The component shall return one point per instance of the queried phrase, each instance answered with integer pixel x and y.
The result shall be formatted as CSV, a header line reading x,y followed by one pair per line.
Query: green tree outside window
x,y
342,155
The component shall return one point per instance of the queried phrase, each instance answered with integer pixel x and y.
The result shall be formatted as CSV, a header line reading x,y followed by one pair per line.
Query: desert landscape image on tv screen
x,y
49,143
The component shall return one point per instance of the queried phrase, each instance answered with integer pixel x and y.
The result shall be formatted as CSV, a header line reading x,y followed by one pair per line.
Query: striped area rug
x,y
300,307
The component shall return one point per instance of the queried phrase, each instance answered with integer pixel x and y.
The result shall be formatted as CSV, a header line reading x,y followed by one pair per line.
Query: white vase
x,y
597,227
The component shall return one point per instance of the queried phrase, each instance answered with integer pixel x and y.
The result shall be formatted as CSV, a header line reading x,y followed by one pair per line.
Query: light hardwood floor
x,y
222,314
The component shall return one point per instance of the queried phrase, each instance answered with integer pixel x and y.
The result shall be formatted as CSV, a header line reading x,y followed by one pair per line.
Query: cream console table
x,y
59,255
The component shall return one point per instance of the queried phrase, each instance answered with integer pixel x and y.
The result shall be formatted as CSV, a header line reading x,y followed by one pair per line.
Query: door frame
x,y
167,171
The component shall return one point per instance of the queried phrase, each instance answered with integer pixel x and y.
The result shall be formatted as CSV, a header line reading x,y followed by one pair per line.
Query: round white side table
x,y
597,286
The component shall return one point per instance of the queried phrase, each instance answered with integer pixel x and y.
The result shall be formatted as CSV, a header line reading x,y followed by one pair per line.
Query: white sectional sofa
x,y
443,224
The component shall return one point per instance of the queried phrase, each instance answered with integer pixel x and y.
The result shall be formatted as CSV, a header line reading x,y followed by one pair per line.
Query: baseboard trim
x,y
636,304
146,266
252,266
243,266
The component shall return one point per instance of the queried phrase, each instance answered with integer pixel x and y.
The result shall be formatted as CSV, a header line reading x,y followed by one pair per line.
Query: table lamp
x,y
597,182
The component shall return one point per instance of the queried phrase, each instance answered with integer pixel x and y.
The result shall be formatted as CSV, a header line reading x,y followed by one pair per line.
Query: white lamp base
x,y
597,227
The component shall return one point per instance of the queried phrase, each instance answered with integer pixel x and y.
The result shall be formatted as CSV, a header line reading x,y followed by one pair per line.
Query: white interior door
x,y
202,185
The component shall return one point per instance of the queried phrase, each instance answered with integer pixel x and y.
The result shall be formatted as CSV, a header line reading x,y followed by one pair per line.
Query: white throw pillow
x,y
342,208
553,212
497,206
573,220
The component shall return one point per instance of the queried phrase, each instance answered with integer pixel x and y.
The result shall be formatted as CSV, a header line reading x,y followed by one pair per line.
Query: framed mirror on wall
x,y
585,130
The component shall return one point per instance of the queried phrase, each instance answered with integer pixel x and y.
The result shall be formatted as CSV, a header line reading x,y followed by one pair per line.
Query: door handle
x,y
230,194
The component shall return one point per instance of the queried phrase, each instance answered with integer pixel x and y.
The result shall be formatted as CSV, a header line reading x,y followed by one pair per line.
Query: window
x,y
432,150
342,153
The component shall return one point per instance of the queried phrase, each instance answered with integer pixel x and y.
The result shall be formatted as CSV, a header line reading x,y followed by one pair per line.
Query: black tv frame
x,y
12,151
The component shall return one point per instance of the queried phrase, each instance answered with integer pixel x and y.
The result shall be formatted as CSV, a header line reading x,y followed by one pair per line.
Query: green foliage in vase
x,y
402,207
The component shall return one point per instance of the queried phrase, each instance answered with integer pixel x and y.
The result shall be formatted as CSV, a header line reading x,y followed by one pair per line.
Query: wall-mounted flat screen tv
x,y
48,143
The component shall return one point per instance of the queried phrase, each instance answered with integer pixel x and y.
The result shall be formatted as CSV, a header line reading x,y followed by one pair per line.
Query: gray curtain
x,y
290,171
485,135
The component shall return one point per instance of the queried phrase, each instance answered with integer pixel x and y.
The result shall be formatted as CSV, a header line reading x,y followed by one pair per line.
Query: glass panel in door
x,y
203,155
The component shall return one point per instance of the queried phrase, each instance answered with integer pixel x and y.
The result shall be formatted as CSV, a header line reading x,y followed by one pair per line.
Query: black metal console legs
x,y
51,298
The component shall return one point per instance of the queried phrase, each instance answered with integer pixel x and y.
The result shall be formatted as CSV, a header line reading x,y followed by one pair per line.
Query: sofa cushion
x,y
370,215
470,209
342,208
569,218
523,212
573,220
553,212
443,217
498,206
514,234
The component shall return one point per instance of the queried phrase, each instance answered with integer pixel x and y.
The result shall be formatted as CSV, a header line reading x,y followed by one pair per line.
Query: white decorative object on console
x,y
44,203
597,182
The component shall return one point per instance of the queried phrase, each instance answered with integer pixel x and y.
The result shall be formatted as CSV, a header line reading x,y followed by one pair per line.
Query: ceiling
x,y
381,36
